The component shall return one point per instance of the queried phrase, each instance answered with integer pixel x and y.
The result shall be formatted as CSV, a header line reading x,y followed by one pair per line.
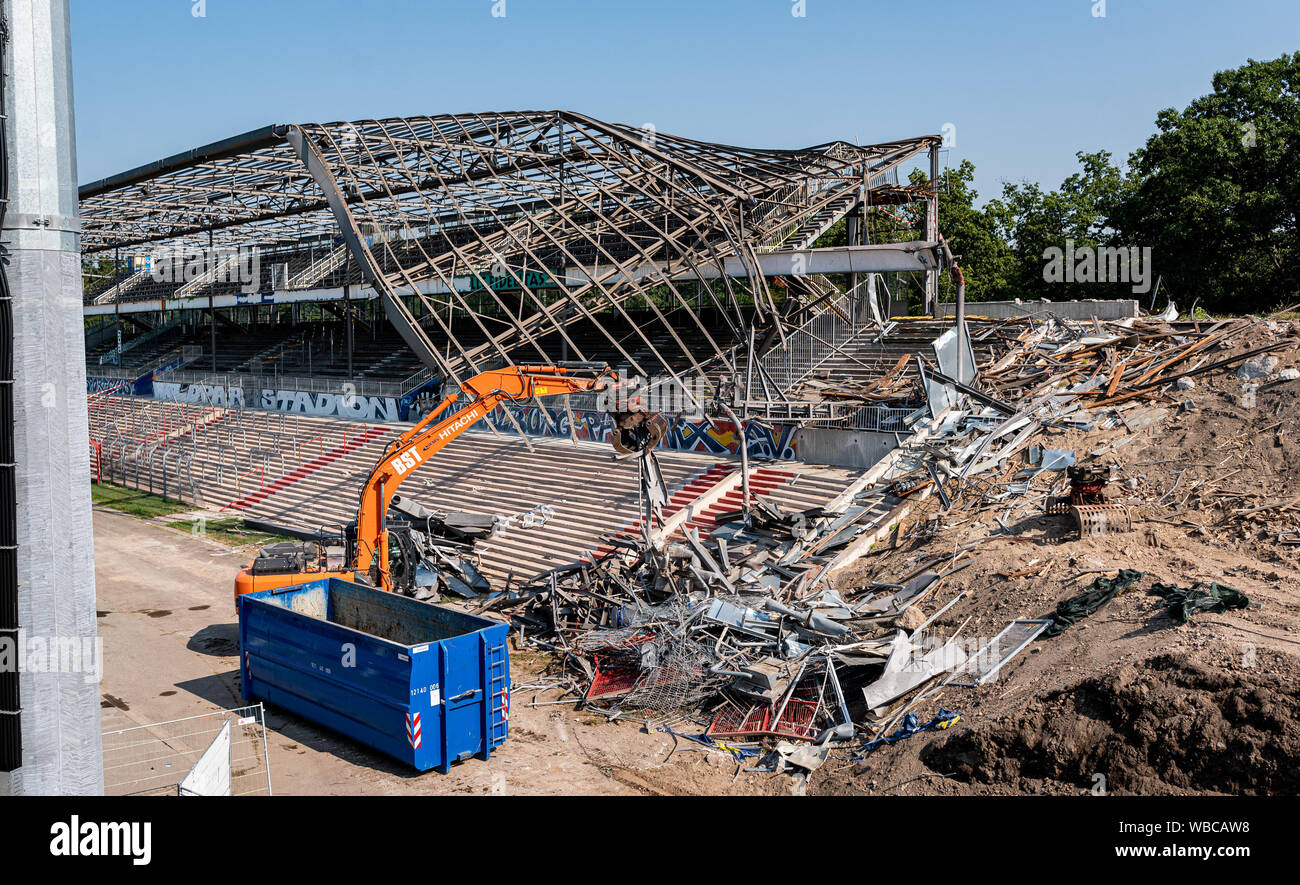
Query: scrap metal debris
x,y
737,635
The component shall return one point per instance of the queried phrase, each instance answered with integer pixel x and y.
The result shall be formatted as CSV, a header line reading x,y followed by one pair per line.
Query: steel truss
x,y
496,233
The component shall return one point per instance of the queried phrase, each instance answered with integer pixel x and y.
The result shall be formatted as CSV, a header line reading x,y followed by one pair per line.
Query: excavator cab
x,y
287,563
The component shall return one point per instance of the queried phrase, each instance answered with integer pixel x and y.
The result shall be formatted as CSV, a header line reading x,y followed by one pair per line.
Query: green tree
x,y
1217,193
986,260
96,275
1032,221
972,234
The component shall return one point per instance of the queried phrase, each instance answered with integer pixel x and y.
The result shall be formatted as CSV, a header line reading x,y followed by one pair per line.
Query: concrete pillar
x,y
60,718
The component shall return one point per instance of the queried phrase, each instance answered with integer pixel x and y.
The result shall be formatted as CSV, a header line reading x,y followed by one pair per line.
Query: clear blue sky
x,y
1026,83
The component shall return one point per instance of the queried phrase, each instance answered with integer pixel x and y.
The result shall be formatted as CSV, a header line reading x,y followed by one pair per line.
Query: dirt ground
x,y
1125,701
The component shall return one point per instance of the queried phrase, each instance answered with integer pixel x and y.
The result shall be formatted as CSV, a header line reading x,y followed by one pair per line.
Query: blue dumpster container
x,y
425,684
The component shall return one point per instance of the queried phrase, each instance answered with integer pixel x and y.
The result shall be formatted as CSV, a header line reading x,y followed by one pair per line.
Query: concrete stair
x,y
306,470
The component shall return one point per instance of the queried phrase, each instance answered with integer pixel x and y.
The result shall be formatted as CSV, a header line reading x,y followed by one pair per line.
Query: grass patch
x,y
229,531
134,501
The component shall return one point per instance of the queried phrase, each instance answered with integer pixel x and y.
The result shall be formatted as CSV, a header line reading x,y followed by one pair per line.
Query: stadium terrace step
x,y
591,494
789,489
306,470
481,473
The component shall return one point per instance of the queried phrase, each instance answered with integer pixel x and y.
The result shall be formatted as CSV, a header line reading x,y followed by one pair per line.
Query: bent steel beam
x,y
397,312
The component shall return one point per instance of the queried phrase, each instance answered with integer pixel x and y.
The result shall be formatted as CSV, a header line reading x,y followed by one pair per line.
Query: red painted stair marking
x,y
305,470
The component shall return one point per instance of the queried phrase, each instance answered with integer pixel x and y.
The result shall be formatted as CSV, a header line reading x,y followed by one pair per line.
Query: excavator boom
x,y
408,451
635,430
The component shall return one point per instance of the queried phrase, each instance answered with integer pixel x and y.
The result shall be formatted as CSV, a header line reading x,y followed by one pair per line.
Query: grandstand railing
x,y
109,295
844,319
185,354
319,268
116,372
208,456
152,335
239,484
318,439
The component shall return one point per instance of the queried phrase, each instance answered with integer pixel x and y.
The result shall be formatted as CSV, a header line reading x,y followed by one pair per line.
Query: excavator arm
x,y
407,452
636,429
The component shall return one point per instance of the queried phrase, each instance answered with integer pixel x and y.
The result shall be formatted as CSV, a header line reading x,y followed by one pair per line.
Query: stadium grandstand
x,y
263,313
526,237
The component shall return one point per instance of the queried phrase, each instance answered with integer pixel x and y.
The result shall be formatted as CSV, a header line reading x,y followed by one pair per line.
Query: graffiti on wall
x,y
330,405
426,395
683,435
142,386
115,386
207,394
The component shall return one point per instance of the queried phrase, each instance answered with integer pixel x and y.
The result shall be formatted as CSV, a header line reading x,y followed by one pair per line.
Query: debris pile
x,y
745,637
737,632
435,550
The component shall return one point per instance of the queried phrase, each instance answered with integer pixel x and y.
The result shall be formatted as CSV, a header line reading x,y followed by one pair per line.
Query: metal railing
x,y
115,372
811,196
121,287
152,335
319,268
805,349
186,354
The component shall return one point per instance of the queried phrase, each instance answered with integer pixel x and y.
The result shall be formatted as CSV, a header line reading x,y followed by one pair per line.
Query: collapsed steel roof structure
x,y
549,218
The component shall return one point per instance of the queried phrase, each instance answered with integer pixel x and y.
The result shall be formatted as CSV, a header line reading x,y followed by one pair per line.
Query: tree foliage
x,y
1216,191
987,259
1032,221
1214,194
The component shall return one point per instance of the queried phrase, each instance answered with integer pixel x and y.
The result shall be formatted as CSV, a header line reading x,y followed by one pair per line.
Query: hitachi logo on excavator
x,y
469,418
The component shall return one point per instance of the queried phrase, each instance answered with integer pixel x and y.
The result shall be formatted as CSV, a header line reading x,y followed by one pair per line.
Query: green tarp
x,y
1200,597
1076,608
1181,603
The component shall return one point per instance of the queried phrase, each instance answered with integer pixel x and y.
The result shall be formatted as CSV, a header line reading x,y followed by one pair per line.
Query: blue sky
x,y
1025,83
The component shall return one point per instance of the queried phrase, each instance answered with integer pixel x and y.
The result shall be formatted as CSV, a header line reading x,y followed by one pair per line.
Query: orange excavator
x,y
365,552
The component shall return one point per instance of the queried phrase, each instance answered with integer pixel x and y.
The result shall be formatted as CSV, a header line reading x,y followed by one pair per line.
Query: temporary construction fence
x,y
154,760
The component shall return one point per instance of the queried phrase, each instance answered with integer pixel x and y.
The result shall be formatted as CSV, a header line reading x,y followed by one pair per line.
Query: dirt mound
x,y
1163,726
